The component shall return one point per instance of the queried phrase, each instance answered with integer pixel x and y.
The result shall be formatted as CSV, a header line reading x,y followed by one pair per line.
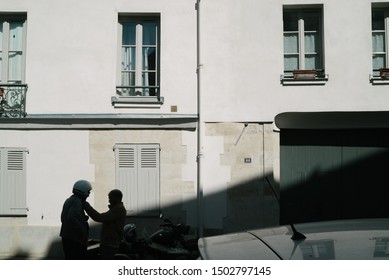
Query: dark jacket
x,y
113,223
74,221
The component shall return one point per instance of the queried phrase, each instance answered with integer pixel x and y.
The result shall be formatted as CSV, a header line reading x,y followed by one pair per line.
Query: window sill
x,y
290,81
137,102
377,80
13,216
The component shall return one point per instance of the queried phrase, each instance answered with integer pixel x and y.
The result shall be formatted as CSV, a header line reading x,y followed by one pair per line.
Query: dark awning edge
x,y
333,120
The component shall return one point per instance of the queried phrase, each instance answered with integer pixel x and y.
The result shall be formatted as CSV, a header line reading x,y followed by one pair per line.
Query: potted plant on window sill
x,y
304,74
384,73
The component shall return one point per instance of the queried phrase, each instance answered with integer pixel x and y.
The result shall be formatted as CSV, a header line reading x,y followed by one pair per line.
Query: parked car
x,y
363,239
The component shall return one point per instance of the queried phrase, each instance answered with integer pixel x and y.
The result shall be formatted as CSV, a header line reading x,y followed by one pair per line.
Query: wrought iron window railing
x,y
137,91
13,100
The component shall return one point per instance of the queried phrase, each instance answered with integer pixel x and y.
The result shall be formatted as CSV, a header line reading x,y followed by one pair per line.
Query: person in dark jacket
x,y
112,223
75,227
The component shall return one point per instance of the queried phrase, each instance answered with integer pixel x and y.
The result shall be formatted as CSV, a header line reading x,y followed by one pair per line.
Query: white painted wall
x,y
71,57
71,68
242,54
55,160
71,53
217,176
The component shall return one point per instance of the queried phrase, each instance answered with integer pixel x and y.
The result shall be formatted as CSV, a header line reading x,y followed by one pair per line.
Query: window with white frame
x,y
13,182
137,176
303,40
139,56
380,29
12,48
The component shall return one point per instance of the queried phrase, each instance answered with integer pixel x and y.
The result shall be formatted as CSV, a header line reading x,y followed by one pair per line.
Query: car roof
x,y
362,239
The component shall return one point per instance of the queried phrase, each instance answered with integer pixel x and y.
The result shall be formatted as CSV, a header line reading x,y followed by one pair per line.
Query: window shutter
x,y
137,176
126,176
148,178
12,182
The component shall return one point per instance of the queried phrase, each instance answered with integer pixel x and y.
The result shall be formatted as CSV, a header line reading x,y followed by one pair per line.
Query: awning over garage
x,y
333,120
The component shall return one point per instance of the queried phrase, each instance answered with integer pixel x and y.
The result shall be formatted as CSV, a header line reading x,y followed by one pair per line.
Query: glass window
x,y
302,40
139,56
15,52
379,40
12,49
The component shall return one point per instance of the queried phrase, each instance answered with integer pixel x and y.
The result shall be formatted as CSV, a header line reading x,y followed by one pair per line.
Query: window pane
x,y
312,21
129,33
149,80
16,36
312,43
149,58
15,52
291,43
128,58
149,34
128,78
291,63
1,50
149,63
1,36
290,21
15,67
379,42
312,62
378,61
378,20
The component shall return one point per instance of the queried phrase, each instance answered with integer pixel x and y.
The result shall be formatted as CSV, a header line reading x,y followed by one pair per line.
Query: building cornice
x,y
101,121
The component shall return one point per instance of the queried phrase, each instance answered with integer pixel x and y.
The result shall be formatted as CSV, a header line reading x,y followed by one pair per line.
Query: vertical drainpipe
x,y
199,157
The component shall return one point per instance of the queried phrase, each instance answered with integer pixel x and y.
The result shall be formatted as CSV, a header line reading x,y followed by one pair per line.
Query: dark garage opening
x,y
333,173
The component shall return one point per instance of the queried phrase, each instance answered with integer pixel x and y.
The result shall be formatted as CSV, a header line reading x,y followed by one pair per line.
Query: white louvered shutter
x,y
12,182
137,176
148,178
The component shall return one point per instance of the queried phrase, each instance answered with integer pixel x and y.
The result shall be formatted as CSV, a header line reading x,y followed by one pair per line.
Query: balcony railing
x,y
137,91
137,97
13,100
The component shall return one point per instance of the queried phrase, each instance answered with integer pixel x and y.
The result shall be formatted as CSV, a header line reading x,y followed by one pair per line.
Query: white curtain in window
x,y
128,57
312,51
149,41
378,50
1,49
146,91
291,51
15,53
128,64
378,42
310,43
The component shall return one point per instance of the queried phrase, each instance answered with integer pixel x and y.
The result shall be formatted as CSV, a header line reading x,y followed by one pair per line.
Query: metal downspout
x,y
199,158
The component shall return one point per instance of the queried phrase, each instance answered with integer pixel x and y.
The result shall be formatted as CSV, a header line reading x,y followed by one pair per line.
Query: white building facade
x,y
171,101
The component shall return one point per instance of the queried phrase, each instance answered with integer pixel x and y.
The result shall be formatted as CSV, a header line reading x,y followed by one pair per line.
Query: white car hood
x,y
347,239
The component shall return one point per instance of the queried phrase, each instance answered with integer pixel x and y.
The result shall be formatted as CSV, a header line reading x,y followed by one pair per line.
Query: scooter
x,y
168,243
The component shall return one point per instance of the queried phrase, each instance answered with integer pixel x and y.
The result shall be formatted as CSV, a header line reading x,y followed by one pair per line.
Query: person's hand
x,y
86,205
